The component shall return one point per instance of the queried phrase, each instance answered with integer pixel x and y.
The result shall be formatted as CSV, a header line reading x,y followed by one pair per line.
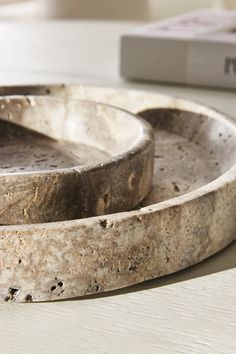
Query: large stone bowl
x,y
188,215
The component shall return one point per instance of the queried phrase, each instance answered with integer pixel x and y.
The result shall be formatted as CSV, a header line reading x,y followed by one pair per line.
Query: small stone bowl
x,y
66,159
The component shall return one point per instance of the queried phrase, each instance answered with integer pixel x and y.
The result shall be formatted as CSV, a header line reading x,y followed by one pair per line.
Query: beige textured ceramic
x,y
68,159
188,216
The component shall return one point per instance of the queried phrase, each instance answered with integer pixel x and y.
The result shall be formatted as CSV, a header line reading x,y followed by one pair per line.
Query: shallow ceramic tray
x,y
68,159
188,216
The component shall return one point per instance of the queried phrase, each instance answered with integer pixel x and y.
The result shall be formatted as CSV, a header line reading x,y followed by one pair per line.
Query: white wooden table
x,y
193,311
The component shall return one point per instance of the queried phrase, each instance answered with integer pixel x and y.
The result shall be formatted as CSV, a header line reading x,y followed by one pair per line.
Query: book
x,y
196,48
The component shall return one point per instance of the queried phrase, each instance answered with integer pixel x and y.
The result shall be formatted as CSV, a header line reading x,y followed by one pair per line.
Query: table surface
x,y
193,311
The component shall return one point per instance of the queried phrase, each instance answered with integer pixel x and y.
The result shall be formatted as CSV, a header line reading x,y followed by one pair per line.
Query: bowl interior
x,y
191,150
48,133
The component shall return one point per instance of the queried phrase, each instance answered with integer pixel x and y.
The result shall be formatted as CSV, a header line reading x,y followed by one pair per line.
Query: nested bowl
x,y
64,159
188,215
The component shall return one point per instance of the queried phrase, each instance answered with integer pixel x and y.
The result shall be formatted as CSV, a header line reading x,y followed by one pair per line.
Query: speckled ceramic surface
x,y
188,215
68,159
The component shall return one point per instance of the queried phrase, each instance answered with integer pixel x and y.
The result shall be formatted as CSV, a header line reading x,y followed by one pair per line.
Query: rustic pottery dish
x,y
68,159
188,215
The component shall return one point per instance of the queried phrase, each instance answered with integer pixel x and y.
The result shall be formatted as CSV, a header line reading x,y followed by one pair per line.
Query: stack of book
x,y
196,48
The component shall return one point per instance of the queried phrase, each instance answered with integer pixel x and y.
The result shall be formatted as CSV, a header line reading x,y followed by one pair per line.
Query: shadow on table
x,y
221,261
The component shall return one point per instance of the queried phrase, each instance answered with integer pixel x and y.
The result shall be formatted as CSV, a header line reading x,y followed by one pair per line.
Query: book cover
x,y
196,48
